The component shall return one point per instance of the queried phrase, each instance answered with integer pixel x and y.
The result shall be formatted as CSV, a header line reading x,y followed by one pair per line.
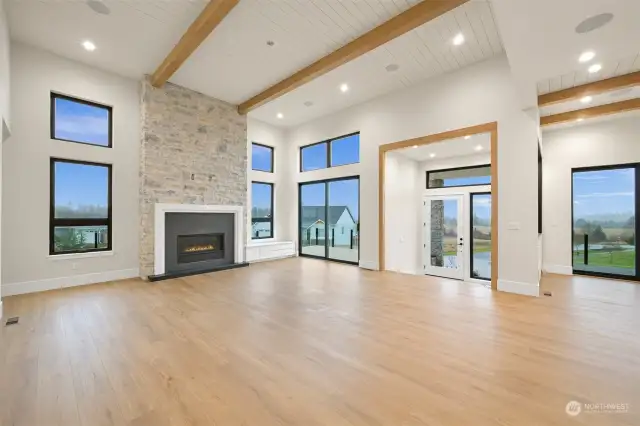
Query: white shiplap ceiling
x,y
235,62
596,100
576,78
424,52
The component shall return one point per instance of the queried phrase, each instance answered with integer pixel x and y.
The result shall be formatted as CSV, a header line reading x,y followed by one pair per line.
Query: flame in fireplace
x,y
199,248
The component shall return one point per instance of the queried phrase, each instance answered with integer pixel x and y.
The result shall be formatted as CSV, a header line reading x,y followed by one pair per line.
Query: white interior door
x,y
444,236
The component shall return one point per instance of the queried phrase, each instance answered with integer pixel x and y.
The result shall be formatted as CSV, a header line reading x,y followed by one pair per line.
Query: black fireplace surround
x,y
198,243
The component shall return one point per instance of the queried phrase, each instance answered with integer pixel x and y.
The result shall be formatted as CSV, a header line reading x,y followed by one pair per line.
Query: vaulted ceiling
x,y
261,42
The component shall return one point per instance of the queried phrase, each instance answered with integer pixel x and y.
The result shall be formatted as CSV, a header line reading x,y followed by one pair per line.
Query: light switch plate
x,y
513,226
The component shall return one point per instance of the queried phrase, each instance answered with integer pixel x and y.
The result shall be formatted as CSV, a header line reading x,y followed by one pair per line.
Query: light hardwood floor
x,y
307,342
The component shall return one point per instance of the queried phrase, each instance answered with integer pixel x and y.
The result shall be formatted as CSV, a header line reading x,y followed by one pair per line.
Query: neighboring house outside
x,y
339,225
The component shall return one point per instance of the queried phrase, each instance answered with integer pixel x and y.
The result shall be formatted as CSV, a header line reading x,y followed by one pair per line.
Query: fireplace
x,y
192,239
200,247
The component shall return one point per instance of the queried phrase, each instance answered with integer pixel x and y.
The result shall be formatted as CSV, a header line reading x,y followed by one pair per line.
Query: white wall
x,y
25,204
614,141
403,186
5,90
5,114
475,95
266,134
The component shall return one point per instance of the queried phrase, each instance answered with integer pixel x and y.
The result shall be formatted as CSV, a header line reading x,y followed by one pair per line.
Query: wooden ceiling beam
x,y
596,111
408,20
211,16
589,89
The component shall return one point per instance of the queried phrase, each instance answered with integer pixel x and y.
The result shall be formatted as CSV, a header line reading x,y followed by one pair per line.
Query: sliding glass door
x,y
329,219
604,201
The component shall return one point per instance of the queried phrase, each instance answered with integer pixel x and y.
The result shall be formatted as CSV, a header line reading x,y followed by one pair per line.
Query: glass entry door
x,y
329,221
443,236
604,220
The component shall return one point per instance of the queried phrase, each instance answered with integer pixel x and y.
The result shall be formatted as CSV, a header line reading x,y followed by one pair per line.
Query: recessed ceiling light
x,y
458,39
595,68
344,87
280,115
415,146
580,119
467,137
594,22
586,99
88,45
98,7
392,67
432,155
587,56
479,148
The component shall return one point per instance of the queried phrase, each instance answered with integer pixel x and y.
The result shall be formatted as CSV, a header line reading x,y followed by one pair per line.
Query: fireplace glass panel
x,y
200,247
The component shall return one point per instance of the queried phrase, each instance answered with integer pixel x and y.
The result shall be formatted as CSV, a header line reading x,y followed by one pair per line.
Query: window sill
x,y
73,256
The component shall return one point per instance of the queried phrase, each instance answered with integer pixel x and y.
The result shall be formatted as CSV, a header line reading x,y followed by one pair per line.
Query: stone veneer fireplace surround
x,y
162,209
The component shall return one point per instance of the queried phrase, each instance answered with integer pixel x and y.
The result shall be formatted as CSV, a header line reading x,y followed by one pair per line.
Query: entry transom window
x,y
332,153
80,215
261,158
77,120
462,176
261,210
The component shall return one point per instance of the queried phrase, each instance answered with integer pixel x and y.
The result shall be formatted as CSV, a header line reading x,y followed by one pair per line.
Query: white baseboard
x,y
13,289
368,264
525,289
558,269
272,258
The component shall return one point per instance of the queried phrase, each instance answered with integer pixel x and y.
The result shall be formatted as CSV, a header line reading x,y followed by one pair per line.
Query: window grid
x,y
328,143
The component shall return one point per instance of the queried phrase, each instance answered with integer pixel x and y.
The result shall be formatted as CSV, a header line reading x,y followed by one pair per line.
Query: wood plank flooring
x,y
307,342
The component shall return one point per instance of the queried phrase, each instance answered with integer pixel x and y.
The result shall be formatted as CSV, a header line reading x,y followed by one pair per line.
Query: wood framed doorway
x,y
492,129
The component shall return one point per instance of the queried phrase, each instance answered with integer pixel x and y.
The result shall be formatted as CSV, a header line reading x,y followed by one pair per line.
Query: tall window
x,y
76,120
332,153
261,210
604,203
261,158
80,212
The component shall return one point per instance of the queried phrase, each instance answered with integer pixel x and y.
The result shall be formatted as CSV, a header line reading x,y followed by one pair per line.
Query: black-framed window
x,y
81,121
480,253
604,203
334,152
459,176
261,210
80,207
261,157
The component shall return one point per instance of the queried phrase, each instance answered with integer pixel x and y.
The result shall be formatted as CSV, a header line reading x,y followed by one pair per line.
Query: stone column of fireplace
x,y
193,150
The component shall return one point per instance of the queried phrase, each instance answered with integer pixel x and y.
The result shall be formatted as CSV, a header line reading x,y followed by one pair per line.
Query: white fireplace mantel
x,y
161,209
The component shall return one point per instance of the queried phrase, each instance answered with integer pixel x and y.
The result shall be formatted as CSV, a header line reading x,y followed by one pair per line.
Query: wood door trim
x,y
491,128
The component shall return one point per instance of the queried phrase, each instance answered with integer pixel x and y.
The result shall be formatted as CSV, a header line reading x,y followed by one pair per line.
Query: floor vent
x,y
13,320
548,293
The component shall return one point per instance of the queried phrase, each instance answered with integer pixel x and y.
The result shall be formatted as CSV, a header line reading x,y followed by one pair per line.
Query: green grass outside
x,y
479,246
620,259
